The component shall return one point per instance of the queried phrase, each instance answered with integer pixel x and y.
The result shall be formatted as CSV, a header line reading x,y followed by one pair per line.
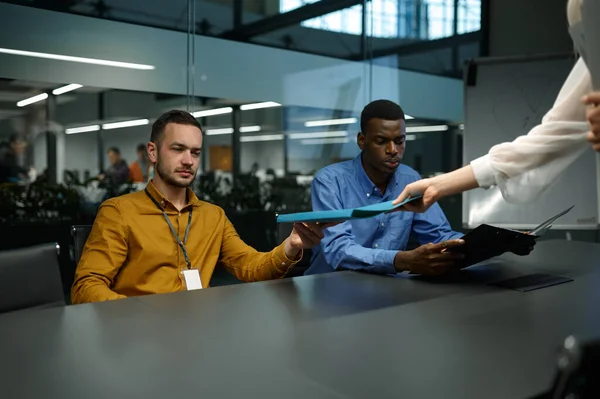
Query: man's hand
x,y
593,117
525,248
303,236
427,187
429,259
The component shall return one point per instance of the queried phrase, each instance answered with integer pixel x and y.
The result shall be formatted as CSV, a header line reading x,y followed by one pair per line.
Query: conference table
x,y
338,335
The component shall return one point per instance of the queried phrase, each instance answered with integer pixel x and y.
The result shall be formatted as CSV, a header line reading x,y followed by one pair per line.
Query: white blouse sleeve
x,y
525,168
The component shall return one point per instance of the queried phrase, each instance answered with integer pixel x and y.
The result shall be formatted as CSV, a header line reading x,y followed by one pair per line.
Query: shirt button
x,y
368,195
163,203
382,224
282,263
376,245
179,213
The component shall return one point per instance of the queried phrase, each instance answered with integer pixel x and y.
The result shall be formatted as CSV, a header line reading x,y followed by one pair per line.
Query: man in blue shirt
x,y
378,244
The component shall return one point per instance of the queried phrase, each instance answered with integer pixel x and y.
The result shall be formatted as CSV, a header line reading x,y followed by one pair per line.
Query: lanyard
x,y
187,230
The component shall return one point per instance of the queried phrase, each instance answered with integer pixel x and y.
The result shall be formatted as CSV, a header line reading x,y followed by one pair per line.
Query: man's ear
x,y
360,139
152,151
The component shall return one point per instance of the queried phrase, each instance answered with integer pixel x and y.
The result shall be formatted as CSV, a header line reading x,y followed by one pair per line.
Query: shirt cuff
x,y
282,262
384,262
483,171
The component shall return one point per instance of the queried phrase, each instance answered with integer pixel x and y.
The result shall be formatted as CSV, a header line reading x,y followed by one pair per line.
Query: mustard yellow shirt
x,y
132,251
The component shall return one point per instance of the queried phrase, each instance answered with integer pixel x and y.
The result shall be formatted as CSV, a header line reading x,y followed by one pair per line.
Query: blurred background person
x,y
139,170
10,168
118,171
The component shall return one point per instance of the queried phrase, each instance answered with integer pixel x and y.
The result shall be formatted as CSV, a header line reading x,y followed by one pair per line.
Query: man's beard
x,y
171,178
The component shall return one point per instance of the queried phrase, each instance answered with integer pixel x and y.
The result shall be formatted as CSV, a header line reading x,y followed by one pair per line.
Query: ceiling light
x,y
216,132
410,137
316,135
65,89
82,129
250,129
266,137
212,112
266,104
84,60
420,129
32,100
339,140
329,122
461,126
117,125
229,130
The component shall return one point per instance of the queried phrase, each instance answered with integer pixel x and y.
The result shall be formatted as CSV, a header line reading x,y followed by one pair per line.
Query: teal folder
x,y
342,215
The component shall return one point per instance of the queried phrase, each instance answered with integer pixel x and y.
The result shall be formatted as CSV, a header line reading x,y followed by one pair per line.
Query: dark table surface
x,y
341,335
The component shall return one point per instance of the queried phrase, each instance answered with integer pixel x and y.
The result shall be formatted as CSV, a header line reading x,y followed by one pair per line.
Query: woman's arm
x,y
525,167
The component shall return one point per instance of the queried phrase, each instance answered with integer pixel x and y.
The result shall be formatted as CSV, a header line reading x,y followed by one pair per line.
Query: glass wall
x,y
354,30
81,84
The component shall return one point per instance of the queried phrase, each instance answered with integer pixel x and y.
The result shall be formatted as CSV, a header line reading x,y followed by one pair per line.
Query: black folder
x,y
486,241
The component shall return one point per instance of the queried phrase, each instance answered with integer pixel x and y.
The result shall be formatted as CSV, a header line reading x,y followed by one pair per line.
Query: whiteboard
x,y
505,98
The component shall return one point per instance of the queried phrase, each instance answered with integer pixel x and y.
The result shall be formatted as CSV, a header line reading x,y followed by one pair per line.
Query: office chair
x,y
30,277
80,235
578,368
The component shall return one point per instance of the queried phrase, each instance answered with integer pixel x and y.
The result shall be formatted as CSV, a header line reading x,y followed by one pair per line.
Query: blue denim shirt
x,y
369,244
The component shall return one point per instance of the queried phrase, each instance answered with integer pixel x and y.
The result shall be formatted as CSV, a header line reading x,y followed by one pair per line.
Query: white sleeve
x,y
525,168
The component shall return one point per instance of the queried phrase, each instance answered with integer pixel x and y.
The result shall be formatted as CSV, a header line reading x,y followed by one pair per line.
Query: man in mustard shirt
x,y
164,239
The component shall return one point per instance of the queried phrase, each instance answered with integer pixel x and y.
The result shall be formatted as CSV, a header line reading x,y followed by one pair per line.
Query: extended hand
x,y
303,236
426,187
593,117
429,259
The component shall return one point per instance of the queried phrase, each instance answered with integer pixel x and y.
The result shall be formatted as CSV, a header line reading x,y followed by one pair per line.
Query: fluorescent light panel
x,y
217,132
330,122
265,137
83,60
408,117
66,89
250,129
118,125
229,130
266,104
421,129
410,137
31,100
338,140
317,135
82,129
212,112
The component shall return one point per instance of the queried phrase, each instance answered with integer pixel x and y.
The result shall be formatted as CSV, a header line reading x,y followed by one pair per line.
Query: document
x,y
342,215
590,10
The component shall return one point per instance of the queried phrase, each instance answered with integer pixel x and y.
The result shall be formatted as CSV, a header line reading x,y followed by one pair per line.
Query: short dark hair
x,y
380,109
115,150
174,116
141,147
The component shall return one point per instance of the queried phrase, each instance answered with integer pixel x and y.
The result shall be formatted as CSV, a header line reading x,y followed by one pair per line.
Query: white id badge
x,y
192,279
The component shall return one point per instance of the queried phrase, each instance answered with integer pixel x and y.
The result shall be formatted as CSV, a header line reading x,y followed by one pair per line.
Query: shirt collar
x,y
365,181
164,202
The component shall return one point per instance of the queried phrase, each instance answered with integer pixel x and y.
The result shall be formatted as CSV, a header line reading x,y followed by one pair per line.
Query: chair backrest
x,y
577,370
80,235
30,277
